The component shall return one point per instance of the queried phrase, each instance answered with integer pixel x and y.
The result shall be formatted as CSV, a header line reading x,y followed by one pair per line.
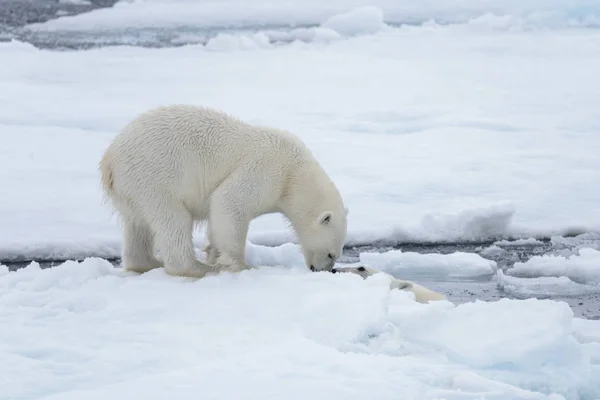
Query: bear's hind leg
x,y
138,246
173,226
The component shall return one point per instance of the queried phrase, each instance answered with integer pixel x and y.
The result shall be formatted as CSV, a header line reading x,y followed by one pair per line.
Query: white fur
x,y
422,294
177,165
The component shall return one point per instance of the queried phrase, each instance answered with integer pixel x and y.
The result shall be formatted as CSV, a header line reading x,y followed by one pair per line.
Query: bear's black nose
x,y
312,268
334,271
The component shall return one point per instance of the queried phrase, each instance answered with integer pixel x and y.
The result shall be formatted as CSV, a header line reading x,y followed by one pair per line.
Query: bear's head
x,y
323,241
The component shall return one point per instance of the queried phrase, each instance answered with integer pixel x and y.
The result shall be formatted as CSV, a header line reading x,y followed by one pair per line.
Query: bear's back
x,y
200,127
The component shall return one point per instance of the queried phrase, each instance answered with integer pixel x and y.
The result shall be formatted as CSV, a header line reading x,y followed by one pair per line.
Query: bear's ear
x,y
325,218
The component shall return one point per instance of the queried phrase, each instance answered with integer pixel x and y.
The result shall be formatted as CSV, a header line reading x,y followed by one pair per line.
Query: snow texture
x,y
456,265
544,287
92,331
582,268
439,120
570,245
447,140
240,13
518,242
571,267
363,20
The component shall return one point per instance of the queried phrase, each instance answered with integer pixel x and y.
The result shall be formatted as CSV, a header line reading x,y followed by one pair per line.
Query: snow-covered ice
x,y
240,13
569,245
518,242
544,286
477,122
92,331
406,265
582,268
570,267
466,133
572,272
361,20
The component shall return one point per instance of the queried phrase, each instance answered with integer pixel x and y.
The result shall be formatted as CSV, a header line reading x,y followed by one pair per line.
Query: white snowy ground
x,y
469,131
90,331
484,129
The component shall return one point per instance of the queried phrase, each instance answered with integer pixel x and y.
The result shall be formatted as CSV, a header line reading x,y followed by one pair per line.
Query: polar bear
x,y
422,294
179,165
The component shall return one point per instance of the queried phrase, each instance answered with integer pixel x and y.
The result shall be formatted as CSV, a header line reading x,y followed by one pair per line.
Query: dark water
x,y
17,13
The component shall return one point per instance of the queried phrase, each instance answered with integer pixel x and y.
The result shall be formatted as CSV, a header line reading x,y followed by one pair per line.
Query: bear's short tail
x,y
106,172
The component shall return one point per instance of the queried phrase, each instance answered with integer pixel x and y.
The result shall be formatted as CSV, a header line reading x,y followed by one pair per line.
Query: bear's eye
x,y
330,256
361,269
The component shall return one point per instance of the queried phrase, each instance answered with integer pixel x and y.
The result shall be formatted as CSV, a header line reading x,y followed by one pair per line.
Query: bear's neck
x,y
304,199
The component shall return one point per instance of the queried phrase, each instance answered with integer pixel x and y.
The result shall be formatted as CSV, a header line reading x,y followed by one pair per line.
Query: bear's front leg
x,y
211,254
228,228
226,263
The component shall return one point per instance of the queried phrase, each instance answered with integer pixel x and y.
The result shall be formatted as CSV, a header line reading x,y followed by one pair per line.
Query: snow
x,y
518,242
227,42
361,20
571,267
239,13
568,245
485,129
78,2
447,140
90,330
586,331
471,386
409,264
581,268
544,286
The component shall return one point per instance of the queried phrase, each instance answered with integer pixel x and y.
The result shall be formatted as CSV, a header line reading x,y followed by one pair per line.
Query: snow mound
x,y
225,42
228,42
361,20
90,330
572,244
571,269
472,224
410,264
313,34
526,333
495,252
470,386
240,13
543,287
286,255
518,242
586,331
78,2
583,268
